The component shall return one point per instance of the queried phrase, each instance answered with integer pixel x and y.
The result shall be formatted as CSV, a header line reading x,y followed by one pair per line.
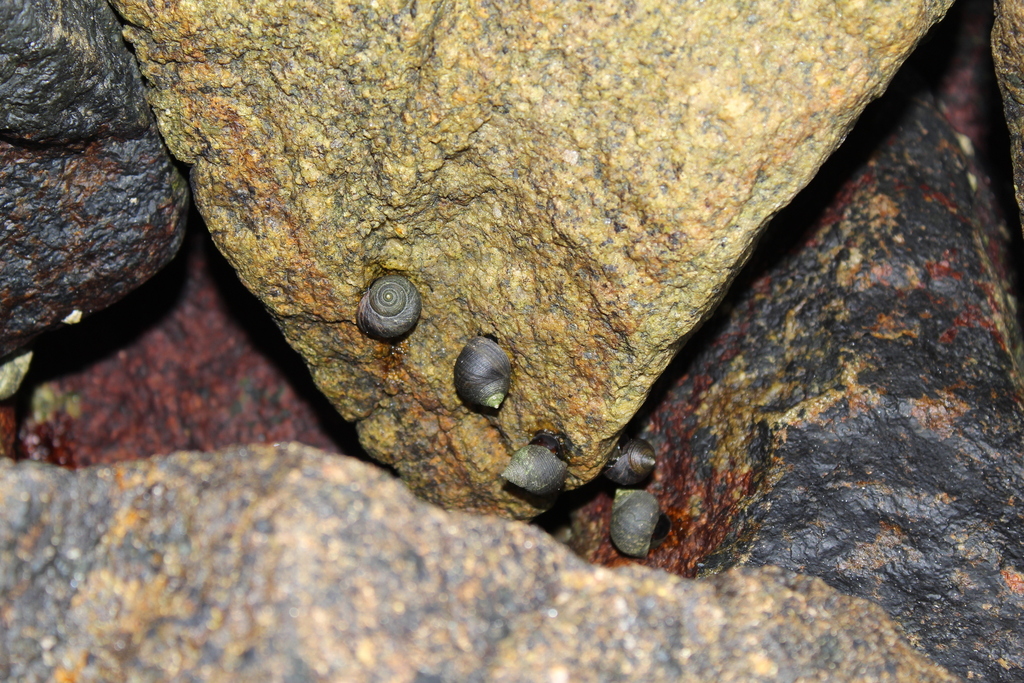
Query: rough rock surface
x,y
858,412
581,182
190,360
1008,54
90,201
284,564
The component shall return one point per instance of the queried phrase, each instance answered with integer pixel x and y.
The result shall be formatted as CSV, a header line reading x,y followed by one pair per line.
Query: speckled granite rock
x,y
1008,54
90,202
285,564
857,413
579,181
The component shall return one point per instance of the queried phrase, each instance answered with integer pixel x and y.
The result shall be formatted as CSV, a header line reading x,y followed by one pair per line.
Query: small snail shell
x,y
535,469
635,515
389,308
482,373
547,440
636,460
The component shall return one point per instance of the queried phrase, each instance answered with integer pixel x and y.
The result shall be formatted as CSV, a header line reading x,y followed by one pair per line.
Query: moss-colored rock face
x,y
578,181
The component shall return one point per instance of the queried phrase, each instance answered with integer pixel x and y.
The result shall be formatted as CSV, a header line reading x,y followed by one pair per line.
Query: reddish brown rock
x,y
957,62
8,428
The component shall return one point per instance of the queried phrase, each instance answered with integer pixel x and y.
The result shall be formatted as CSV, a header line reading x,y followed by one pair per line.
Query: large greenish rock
x,y
580,181
288,564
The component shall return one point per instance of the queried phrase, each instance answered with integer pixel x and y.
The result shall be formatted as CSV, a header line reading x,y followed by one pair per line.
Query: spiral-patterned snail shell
x,y
482,373
635,461
389,308
535,469
635,516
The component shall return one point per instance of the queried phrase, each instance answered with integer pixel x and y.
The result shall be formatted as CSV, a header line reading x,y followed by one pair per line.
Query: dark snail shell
x,y
636,460
547,440
535,469
635,516
389,308
482,373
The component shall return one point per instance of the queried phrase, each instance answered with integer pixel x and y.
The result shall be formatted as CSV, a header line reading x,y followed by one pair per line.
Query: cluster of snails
x,y
638,524
390,308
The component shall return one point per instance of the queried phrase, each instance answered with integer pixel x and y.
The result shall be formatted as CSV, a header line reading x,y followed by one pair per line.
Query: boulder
x,y
91,203
289,564
578,182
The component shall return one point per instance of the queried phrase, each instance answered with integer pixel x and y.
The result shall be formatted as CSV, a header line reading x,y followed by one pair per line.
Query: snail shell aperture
x,y
547,440
635,515
661,530
389,308
636,460
482,373
535,469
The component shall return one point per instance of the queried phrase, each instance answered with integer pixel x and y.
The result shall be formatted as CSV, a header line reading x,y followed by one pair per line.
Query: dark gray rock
x,y
90,201
856,411
288,564
65,73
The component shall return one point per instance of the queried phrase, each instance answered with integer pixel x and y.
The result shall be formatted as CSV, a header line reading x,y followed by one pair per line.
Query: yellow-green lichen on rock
x,y
580,181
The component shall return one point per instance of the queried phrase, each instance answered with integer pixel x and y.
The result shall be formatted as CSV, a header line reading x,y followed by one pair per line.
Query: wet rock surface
x,y
290,564
92,205
855,413
581,183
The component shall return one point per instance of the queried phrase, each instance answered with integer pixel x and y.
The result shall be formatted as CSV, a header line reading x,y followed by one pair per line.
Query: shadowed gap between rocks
x,y
73,361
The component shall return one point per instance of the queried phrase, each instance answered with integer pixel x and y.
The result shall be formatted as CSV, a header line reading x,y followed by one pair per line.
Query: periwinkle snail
x,y
535,469
389,308
637,522
482,373
635,461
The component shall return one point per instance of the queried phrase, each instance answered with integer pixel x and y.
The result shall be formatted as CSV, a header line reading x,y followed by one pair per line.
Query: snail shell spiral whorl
x,y
389,308
636,460
635,515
